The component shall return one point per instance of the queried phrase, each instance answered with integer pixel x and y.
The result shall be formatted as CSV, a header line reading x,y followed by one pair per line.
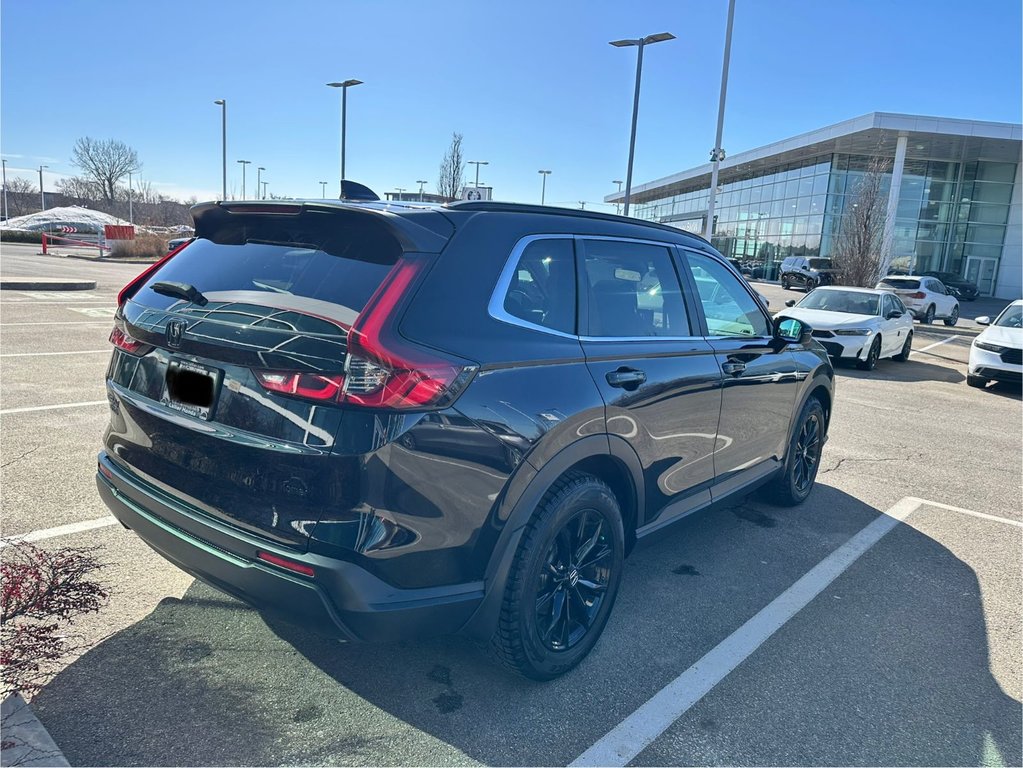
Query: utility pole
x,y
7,213
421,183
244,163
264,189
543,189
223,141
323,189
42,197
718,154
131,216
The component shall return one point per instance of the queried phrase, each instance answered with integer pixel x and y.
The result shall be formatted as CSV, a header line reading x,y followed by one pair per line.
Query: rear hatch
x,y
233,365
906,288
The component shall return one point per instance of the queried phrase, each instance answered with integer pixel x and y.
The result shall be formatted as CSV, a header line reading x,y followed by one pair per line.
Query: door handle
x,y
626,378
733,367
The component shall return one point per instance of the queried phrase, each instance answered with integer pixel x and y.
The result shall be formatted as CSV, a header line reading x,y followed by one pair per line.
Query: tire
x,y
953,318
872,356
785,284
577,511
907,348
810,284
928,317
795,482
976,381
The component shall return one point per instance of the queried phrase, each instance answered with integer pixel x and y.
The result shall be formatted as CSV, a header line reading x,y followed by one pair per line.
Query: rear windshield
x,y
820,263
236,279
901,283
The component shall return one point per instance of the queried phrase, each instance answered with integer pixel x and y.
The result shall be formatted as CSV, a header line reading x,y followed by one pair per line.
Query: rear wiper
x,y
181,291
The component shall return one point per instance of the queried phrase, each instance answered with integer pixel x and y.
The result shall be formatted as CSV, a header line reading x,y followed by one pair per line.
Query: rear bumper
x,y
341,599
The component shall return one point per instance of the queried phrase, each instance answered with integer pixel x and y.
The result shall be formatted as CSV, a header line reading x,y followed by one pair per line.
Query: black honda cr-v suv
x,y
390,421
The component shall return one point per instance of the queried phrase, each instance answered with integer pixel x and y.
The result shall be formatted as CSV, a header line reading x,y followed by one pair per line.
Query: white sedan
x,y
861,324
997,353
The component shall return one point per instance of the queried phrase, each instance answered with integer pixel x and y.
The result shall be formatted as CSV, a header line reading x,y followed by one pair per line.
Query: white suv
x,y
997,353
926,297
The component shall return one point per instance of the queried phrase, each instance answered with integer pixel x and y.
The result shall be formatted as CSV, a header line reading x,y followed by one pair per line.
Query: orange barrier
x,y
57,240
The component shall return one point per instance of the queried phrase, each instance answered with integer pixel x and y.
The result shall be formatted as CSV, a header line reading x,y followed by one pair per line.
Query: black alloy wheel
x,y
793,484
785,284
953,318
907,349
563,581
872,356
929,315
572,584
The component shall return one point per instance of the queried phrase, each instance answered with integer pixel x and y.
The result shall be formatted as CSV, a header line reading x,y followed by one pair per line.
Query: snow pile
x,y
84,220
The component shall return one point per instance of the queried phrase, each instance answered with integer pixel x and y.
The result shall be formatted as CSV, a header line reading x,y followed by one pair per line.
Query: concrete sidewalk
x,y
45,284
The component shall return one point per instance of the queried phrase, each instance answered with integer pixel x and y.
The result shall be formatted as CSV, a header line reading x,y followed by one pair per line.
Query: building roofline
x,y
886,121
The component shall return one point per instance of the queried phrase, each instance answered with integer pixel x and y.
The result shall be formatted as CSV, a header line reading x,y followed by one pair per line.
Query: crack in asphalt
x,y
842,461
18,458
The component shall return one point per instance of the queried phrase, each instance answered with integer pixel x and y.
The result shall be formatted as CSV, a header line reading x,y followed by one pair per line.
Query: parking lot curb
x,y
25,739
45,284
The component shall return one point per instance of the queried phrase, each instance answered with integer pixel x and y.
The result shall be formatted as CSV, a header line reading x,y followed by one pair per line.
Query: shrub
x,y
42,593
20,236
146,245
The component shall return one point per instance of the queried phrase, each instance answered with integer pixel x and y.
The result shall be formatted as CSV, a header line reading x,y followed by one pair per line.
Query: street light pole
x,y
244,163
543,189
264,189
641,43
259,180
717,154
344,86
131,216
421,183
42,197
400,190
478,163
223,143
7,214
618,206
323,189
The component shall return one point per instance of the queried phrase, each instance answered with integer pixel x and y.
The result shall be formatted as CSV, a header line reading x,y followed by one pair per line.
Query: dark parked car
x,y
387,421
964,289
808,272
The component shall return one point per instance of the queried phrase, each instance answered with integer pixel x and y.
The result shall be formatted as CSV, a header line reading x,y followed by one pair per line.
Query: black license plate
x,y
191,388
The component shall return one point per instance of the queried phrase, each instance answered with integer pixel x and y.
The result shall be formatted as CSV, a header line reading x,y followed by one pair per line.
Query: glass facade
x,y
951,216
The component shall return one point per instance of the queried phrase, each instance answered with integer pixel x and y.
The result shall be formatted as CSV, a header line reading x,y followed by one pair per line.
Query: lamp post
x,y
717,154
640,43
323,189
259,180
543,189
223,142
264,189
243,164
131,216
478,163
421,183
618,206
344,86
42,197
399,192
7,214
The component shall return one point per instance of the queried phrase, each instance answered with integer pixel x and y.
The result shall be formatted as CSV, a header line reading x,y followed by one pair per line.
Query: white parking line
x,y
58,322
60,530
53,407
935,344
636,732
45,354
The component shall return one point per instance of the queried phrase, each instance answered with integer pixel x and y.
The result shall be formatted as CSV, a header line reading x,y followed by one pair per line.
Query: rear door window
x,y
542,288
632,291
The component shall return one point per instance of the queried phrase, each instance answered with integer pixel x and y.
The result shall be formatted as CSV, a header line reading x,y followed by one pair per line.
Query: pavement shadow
x,y
914,370
205,681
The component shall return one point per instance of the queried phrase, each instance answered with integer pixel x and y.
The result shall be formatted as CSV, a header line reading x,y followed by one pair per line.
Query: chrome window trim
x,y
496,309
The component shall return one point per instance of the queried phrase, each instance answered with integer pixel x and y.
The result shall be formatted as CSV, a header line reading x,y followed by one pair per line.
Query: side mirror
x,y
983,320
792,331
893,314
790,303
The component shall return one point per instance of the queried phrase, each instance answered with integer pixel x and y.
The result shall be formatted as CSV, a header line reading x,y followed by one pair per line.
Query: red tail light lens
x,y
918,295
314,386
123,341
382,370
283,562
129,290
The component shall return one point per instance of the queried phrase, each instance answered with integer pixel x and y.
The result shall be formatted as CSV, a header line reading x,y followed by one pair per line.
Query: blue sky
x,y
529,84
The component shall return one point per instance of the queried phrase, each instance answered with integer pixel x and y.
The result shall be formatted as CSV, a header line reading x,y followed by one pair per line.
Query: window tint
x,y
633,291
729,308
542,288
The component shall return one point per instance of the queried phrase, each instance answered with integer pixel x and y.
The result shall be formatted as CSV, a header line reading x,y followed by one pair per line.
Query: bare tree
x,y
105,162
858,250
79,188
22,195
452,168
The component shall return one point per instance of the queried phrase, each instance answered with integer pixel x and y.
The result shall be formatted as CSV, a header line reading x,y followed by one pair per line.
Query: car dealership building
x,y
953,185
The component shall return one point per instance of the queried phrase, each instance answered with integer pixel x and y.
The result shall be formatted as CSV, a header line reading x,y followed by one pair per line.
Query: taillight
x,y
382,369
123,341
129,290
918,295
314,386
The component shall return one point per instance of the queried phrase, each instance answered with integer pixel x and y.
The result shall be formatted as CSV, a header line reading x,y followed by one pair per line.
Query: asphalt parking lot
x,y
878,623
